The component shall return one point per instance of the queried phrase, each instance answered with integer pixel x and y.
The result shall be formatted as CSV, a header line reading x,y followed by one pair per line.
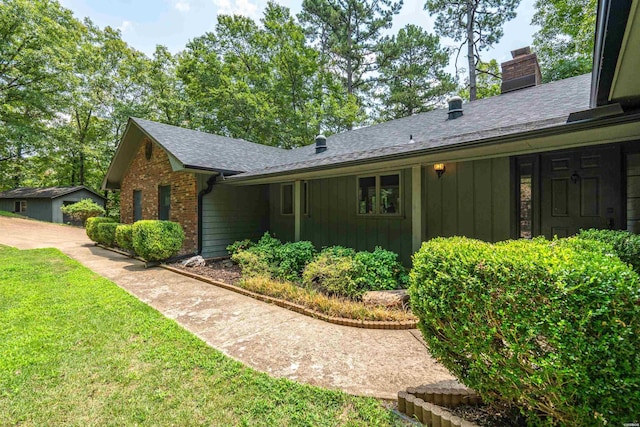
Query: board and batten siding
x,y
472,199
39,209
333,218
233,213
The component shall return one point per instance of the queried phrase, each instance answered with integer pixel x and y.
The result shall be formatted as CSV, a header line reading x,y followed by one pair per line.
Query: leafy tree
x,y
564,43
37,40
167,98
489,80
477,24
347,34
412,76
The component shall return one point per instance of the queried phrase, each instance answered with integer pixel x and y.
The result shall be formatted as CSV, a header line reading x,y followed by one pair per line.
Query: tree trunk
x,y
470,54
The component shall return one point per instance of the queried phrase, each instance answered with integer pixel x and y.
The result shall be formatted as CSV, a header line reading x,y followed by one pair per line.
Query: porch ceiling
x,y
625,88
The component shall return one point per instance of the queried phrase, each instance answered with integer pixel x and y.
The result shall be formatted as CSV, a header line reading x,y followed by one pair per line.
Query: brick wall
x,y
521,66
147,175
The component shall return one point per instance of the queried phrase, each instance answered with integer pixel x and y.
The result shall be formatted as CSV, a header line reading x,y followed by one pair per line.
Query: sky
x,y
172,23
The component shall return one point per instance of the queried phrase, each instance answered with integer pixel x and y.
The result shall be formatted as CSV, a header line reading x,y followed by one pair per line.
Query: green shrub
x,y
106,233
547,326
345,272
252,264
155,240
124,236
332,272
626,245
83,210
240,245
380,270
290,259
90,227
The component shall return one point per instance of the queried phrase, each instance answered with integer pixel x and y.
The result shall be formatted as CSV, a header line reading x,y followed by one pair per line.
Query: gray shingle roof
x,y
519,111
43,193
531,105
204,150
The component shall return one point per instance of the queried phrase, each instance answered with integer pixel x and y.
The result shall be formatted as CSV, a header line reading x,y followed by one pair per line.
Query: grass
x,y
77,350
331,306
10,214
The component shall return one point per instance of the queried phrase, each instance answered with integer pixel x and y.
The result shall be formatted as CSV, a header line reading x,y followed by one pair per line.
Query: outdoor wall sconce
x,y
439,168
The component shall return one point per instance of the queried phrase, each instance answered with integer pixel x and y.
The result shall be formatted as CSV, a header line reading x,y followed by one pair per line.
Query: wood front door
x,y
579,190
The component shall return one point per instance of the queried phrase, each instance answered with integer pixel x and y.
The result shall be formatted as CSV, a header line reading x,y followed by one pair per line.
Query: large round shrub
x,y
124,236
83,210
625,245
155,240
106,233
552,327
91,225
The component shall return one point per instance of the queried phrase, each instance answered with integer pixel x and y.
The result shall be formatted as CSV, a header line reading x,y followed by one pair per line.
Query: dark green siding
x,y
633,192
472,199
233,213
36,208
333,218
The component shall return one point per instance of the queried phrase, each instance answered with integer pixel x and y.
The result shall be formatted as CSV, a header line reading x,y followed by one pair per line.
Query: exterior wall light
x,y
439,168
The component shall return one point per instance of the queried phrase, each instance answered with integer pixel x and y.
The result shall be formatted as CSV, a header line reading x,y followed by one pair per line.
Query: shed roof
x,y
43,192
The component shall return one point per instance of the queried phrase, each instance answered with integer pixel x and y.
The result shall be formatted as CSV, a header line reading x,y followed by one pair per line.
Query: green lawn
x,y
77,350
11,214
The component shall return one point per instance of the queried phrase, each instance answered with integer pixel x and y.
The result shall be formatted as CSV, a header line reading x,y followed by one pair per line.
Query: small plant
x,y
625,245
106,233
380,270
155,240
251,263
91,226
548,326
290,260
124,236
240,245
333,272
83,210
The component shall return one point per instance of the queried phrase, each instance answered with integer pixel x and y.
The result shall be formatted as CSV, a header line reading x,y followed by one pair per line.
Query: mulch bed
x,y
488,416
222,270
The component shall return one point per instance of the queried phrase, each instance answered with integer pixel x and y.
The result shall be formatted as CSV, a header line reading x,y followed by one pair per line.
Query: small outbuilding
x,y
44,203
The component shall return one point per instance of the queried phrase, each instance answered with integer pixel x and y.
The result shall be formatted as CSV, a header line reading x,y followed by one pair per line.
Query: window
x,y
286,199
164,202
137,205
20,206
379,195
525,191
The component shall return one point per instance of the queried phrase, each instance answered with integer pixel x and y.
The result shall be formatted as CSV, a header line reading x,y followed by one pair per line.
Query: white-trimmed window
x,y
379,194
287,198
20,206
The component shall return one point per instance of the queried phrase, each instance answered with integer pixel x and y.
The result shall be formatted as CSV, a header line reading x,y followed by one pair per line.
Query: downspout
x,y
210,183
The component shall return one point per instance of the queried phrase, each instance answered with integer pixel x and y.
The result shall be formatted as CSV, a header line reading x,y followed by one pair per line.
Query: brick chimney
x,y
522,71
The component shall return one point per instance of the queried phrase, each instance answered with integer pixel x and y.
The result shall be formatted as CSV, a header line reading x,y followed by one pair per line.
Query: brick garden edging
x,y
426,403
365,324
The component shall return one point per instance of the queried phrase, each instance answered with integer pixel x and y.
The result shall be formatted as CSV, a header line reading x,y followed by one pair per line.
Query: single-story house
x,y
539,159
45,203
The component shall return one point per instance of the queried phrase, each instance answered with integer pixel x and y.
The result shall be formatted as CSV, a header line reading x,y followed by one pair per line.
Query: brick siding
x,y
147,176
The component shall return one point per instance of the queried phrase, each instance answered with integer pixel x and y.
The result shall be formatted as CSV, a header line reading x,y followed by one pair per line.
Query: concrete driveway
x,y
271,339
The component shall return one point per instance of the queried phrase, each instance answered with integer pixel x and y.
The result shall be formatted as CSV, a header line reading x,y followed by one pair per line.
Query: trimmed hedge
x,y
124,236
106,233
626,245
155,240
91,225
550,326
83,210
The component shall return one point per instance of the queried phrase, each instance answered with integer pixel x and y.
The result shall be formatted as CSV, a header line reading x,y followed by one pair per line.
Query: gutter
x,y
575,126
210,183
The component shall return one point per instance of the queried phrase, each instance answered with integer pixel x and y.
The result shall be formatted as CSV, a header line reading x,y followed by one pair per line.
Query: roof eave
x,y
514,137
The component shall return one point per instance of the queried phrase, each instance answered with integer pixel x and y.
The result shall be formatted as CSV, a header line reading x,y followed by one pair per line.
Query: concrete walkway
x,y
268,338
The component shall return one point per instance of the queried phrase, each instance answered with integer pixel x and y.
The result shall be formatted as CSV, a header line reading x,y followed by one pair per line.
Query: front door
x,y
580,189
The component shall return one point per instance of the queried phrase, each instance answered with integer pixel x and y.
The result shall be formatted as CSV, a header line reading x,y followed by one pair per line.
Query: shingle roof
x,y
208,151
519,111
515,112
43,193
